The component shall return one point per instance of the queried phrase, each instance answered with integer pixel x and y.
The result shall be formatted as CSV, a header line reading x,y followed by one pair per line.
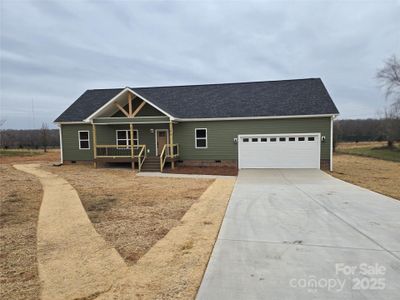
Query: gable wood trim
x,y
88,119
122,109
138,109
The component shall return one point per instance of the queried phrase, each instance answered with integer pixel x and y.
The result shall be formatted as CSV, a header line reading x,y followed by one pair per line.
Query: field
x,y
25,155
149,221
371,149
380,174
20,200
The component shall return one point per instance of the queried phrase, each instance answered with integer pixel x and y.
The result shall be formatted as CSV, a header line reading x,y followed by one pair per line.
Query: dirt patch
x,y
132,213
374,174
38,156
226,171
21,196
174,266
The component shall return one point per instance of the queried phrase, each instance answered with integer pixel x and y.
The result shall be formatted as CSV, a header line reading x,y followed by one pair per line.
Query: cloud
x,y
52,51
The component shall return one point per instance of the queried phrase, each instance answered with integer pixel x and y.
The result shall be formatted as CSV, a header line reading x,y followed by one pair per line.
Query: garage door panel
x,y
258,151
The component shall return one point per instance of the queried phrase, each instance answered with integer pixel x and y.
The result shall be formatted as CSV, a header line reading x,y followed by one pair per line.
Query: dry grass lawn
x,y
132,213
21,196
352,145
164,228
28,156
375,174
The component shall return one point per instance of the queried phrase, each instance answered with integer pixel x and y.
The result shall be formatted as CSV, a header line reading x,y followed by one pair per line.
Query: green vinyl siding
x,y
70,142
105,135
220,135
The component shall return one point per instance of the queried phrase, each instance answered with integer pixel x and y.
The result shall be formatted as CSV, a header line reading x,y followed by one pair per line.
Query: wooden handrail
x,y
165,154
144,153
119,146
162,160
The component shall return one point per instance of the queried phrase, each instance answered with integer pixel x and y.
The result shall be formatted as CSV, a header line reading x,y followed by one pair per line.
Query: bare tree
x,y
44,134
389,78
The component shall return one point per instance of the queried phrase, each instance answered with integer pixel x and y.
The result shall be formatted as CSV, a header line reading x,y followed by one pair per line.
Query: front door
x,y
161,139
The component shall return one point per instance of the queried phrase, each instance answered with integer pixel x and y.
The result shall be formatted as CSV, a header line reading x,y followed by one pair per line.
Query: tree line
x,y
29,138
359,130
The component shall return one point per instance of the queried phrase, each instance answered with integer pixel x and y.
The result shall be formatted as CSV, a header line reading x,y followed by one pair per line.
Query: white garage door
x,y
279,151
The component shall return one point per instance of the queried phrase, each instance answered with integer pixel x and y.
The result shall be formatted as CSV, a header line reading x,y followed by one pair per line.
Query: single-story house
x,y
268,124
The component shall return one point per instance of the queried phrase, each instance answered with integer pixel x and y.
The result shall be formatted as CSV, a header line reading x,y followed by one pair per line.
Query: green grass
x,y
20,152
379,153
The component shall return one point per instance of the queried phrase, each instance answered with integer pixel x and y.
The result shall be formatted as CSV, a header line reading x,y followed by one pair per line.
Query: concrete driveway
x,y
302,234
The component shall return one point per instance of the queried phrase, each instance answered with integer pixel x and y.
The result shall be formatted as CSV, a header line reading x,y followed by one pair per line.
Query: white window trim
x,y
83,140
126,137
196,138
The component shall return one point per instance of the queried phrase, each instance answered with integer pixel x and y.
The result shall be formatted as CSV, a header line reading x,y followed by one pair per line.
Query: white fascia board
x,y
252,118
138,123
88,119
72,122
93,115
152,104
281,134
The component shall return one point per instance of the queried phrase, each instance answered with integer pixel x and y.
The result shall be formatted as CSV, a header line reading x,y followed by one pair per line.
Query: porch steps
x,y
151,164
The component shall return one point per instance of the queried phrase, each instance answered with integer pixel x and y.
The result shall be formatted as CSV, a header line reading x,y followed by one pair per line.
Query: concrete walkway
x,y
74,260
302,234
176,175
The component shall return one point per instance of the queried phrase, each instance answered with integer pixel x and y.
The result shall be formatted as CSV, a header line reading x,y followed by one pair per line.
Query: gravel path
x,y
74,260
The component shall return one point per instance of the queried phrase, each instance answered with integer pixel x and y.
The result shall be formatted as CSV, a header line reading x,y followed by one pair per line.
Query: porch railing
x,y
142,157
105,151
165,153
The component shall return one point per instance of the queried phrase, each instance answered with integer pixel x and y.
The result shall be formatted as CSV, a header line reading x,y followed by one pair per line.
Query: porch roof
x,y
135,120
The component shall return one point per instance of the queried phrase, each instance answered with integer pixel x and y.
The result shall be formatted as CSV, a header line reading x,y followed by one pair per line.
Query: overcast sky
x,y
51,51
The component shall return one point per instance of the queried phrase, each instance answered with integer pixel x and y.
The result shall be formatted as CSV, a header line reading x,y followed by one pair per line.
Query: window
x,y
254,140
311,138
124,138
263,140
201,138
282,139
245,140
272,139
84,143
292,139
301,139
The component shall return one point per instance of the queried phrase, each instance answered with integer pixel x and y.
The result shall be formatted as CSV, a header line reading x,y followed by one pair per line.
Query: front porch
x,y
129,129
137,156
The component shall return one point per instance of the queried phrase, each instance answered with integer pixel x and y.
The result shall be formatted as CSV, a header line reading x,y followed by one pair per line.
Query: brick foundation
x,y
77,162
207,163
325,164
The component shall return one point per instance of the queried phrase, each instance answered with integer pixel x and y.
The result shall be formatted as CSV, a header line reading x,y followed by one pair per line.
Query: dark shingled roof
x,y
86,104
247,99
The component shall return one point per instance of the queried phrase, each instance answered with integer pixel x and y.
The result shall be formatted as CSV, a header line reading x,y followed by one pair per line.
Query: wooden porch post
x,y
94,145
132,150
171,142
130,104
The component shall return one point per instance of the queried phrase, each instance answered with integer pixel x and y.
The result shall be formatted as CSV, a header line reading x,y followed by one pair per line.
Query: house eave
x,y
253,118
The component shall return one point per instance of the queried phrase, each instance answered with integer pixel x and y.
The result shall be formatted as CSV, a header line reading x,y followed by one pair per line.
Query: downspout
x,y
331,154
61,144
